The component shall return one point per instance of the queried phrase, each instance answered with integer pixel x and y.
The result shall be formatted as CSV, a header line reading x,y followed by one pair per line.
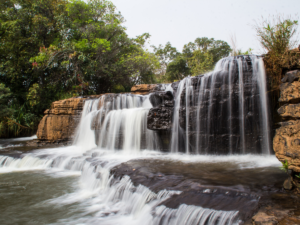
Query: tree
x,y
200,62
96,53
166,54
5,96
53,49
177,69
216,48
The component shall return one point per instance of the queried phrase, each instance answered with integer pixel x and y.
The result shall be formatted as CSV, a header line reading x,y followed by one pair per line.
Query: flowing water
x,y
114,172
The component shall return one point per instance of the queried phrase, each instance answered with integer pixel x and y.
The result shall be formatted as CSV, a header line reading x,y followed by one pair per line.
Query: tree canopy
x,y
55,49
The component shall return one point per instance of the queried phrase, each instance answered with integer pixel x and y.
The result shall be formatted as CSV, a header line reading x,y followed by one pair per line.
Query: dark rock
x,y
291,76
287,184
160,118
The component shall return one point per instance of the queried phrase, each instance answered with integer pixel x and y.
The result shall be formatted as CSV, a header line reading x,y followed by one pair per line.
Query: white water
x,y
229,72
113,201
114,131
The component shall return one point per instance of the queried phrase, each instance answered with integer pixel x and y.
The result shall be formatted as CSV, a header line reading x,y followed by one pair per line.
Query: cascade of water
x,y
116,122
189,103
259,70
176,129
231,67
241,105
110,200
228,107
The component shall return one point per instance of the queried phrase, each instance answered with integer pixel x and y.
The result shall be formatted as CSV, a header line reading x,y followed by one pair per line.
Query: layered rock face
x,y
61,120
143,89
286,142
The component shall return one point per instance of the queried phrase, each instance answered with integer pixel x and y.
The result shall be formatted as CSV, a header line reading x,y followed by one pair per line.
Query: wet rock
x,y
287,185
262,218
286,144
291,76
160,118
162,98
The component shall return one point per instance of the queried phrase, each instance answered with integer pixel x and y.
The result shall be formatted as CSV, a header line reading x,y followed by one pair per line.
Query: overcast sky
x,y
182,21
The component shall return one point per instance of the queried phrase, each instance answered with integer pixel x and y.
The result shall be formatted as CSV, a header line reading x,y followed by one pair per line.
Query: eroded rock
x,y
290,92
61,120
286,144
291,110
143,89
291,76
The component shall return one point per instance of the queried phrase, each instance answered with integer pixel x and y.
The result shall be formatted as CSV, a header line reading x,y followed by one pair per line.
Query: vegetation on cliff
x,y
277,36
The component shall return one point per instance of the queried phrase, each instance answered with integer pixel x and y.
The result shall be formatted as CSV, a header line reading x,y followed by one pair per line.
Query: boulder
x,y
291,76
290,92
262,218
61,120
287,184
160,117
286,144
289,111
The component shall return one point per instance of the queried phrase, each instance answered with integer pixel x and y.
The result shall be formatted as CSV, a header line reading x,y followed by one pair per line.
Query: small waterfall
x,y
225,111
116,122
177,132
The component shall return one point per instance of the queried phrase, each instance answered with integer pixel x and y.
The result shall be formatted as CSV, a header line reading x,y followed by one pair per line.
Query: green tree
x,y
5,97
177,69
200,62
96,54
166,54
216,48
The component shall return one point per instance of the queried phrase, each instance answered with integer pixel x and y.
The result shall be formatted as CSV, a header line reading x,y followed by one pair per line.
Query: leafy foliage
x,y
285,166
55,49
5,95
277,36
196,58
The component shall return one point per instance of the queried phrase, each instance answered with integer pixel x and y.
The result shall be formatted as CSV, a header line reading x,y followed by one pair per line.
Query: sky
x,y
182,21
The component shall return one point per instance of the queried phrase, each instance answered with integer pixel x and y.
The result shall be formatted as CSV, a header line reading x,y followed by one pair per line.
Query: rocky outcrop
x,y
160,117
61,120
143,89
286,142
290,92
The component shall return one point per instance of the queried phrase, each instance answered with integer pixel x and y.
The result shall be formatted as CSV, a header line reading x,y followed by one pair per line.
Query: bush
x,y
277,36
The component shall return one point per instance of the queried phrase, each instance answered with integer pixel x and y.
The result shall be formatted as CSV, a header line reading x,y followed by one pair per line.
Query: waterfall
x,y
221,112
225,111
116,122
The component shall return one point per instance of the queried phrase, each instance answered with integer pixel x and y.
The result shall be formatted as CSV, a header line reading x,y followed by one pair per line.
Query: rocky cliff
x,y
286,142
